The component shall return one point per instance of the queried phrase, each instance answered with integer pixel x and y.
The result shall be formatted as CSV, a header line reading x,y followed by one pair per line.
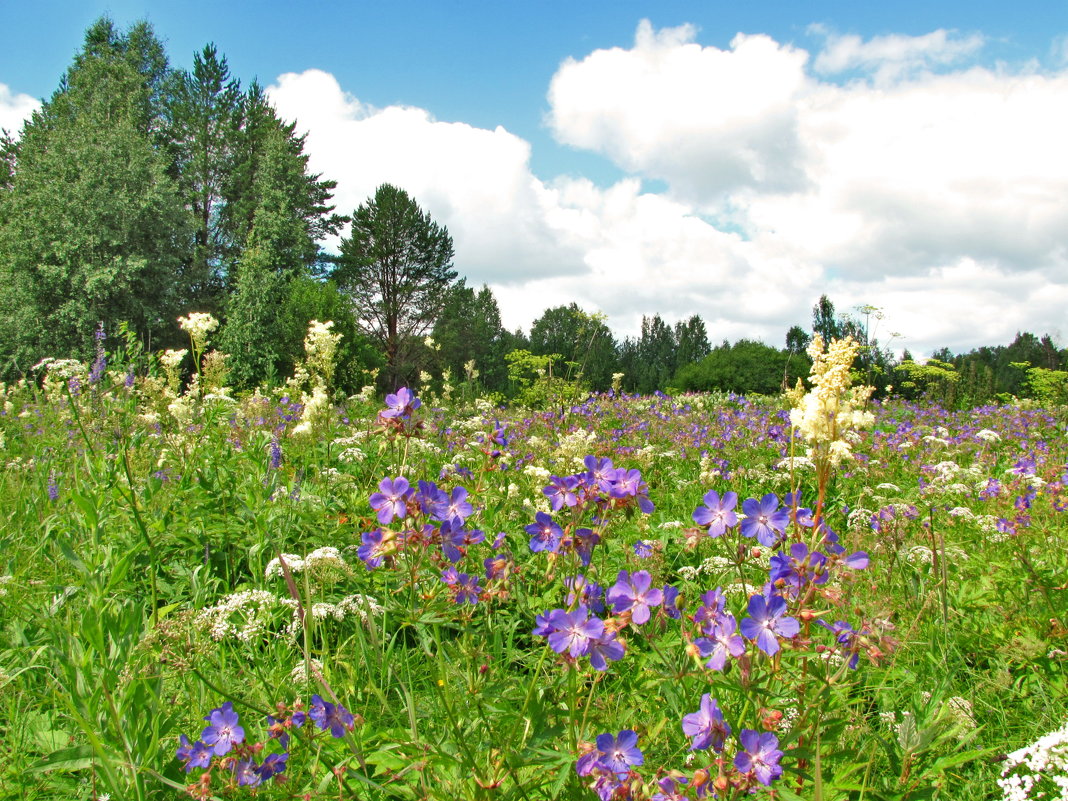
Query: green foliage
x,y
1048,387
469,329
581,339
745,366
396,265
543,381
104,248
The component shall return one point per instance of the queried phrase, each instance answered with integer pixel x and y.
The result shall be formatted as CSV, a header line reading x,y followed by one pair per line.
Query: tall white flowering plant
x,y
830,414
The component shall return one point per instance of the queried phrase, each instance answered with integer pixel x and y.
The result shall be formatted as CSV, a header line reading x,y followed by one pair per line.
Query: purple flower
x,y
53,486
400,405
717,514
764,519
760,757
671,602
467,589
846,636
389,502
572,631
635,593
706,726
585,539
497,566
326,715
587,593
273,765
605,648
618,754
643,549
223,731
372,548
561,492
544,534
723,642
799,568
458,509
766,623
247,773
196,755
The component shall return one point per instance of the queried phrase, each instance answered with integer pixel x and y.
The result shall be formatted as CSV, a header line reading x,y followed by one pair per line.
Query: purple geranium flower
x,y
706,727
723,642
620,753
544,534
572,631
717,514
400,405
389,501
766,623
561,492
634,592
223,731
764,519
273,765
247,773
604,649
760,757
195,755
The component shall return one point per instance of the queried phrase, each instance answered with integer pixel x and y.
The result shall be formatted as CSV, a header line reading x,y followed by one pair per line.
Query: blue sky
x,y
610,182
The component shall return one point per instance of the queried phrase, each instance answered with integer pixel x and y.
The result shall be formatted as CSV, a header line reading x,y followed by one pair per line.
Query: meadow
x,y
287,594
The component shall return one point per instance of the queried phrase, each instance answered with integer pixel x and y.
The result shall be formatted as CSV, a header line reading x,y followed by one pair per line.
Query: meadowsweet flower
x,y
198,325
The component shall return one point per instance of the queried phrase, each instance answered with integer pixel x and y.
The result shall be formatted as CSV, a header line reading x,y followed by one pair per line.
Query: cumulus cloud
x,y
15,109
921,183
474,181
706,120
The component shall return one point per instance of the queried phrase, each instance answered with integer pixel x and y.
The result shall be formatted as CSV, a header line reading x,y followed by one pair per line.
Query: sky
x,y
730,160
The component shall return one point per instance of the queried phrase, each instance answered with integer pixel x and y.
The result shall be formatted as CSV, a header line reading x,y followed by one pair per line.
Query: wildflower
x,y
706,727
603,648
273,765
223,731
717,514
561,492
572,631
584,592
618,754
334,717
195,755
764,519
544,534
643,549
53,486
400,405
389,502
247,773
760,757
766,623
723,642
634,593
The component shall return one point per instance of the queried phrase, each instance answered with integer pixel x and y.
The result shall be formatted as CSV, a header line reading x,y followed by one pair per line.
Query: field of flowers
x,y
287,595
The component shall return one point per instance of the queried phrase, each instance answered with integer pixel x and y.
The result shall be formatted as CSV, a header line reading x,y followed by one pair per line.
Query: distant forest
x,y
139,193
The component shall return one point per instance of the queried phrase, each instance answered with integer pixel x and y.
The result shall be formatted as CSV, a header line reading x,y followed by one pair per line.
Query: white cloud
x,y
888,57
706,120
937,196
15,109
474,181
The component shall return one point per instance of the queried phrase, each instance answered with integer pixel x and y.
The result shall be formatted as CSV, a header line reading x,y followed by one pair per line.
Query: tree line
x,y
139,193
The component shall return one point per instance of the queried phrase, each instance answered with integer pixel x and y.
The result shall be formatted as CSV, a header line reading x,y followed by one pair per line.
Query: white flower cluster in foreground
x,y
1039,770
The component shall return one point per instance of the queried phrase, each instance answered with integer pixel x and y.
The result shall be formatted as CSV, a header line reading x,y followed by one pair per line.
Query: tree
x,y
470,329
824,321
691,339
203,115
797,341
581,338
396,265
92,225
